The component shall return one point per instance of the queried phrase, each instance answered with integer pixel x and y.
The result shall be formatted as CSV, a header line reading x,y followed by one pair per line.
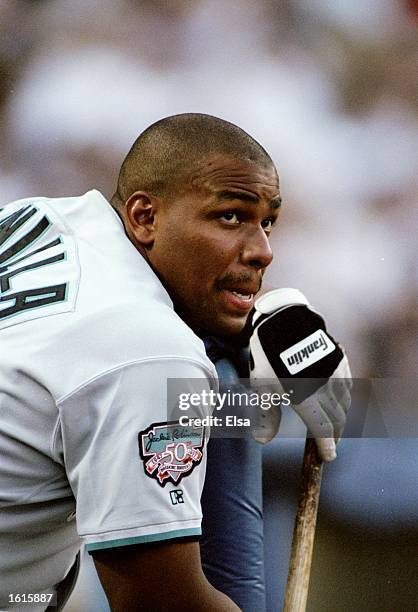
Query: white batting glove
x,y
290,344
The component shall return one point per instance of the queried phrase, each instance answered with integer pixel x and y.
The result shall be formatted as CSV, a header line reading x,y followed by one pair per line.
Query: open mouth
x,y
244,296
238,300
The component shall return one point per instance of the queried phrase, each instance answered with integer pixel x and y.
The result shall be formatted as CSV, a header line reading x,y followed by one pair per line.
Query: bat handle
x,y
304,531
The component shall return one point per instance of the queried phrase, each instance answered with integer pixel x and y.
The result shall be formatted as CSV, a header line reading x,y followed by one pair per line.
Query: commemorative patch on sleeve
x,y
169,451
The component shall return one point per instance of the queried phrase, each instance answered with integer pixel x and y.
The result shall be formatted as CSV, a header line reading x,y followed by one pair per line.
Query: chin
x,y
230,327
214,325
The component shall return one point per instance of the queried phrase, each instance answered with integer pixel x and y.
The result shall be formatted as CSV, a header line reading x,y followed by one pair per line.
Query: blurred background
x,y
328,87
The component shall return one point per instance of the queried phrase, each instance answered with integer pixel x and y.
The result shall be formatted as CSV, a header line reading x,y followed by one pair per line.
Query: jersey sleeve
x,y
136,475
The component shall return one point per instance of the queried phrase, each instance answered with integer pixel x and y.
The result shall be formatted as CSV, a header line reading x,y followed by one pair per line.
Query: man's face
x,y
211,242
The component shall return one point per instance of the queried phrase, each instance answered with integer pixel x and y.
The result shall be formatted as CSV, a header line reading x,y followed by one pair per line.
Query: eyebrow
x,y
228,194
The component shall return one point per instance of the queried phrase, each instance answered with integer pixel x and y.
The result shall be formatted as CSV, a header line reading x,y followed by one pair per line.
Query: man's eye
x,y
231,217
268,224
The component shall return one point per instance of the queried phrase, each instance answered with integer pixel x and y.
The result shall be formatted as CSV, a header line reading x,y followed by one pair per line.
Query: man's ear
x,y
140,210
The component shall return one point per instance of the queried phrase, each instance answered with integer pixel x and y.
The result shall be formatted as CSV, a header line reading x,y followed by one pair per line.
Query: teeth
x,y
243,296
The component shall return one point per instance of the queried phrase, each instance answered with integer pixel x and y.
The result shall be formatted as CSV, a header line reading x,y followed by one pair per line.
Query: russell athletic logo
x,y
306,352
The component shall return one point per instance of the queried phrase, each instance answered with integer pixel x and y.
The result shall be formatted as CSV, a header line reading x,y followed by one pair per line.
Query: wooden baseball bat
x,y
304,531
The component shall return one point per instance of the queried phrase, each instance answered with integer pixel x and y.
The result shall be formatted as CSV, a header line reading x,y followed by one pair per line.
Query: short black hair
x,y
167,151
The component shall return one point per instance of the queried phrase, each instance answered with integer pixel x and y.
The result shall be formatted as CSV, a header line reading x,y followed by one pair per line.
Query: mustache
x,y
238,279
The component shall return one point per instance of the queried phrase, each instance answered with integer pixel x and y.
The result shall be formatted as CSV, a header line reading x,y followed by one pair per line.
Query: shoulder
x,y
145,329
121,335
82,214
24,206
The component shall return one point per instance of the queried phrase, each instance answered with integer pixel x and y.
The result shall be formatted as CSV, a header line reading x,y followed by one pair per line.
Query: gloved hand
x,y
290,343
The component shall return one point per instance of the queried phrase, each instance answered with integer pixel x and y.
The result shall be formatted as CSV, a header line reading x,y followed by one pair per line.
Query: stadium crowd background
x,y
329,87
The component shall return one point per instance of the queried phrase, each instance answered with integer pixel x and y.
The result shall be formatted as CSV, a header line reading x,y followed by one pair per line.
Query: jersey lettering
x,y
11,224
33,298
26,233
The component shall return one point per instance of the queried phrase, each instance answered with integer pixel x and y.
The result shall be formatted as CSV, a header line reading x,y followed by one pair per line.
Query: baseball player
x,y
100,304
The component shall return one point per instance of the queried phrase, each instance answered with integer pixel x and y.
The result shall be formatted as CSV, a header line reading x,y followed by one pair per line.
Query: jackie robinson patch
x,y
169,451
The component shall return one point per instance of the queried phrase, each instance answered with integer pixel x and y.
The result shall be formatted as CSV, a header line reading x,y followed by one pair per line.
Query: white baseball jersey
x,y
88,339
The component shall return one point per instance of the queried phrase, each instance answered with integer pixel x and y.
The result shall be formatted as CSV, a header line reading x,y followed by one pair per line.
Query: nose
x,y
257,251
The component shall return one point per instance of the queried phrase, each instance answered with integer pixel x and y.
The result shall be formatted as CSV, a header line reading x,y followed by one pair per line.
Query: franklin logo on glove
x,y
307,351
291,345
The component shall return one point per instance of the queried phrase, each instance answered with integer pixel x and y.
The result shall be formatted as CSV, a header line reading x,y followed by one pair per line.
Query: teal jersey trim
x,y
145,539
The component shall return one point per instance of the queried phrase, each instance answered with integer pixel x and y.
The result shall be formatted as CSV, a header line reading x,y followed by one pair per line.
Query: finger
x,y
335,400
320,426
315,418
340,388
335,413
326,448
267,424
